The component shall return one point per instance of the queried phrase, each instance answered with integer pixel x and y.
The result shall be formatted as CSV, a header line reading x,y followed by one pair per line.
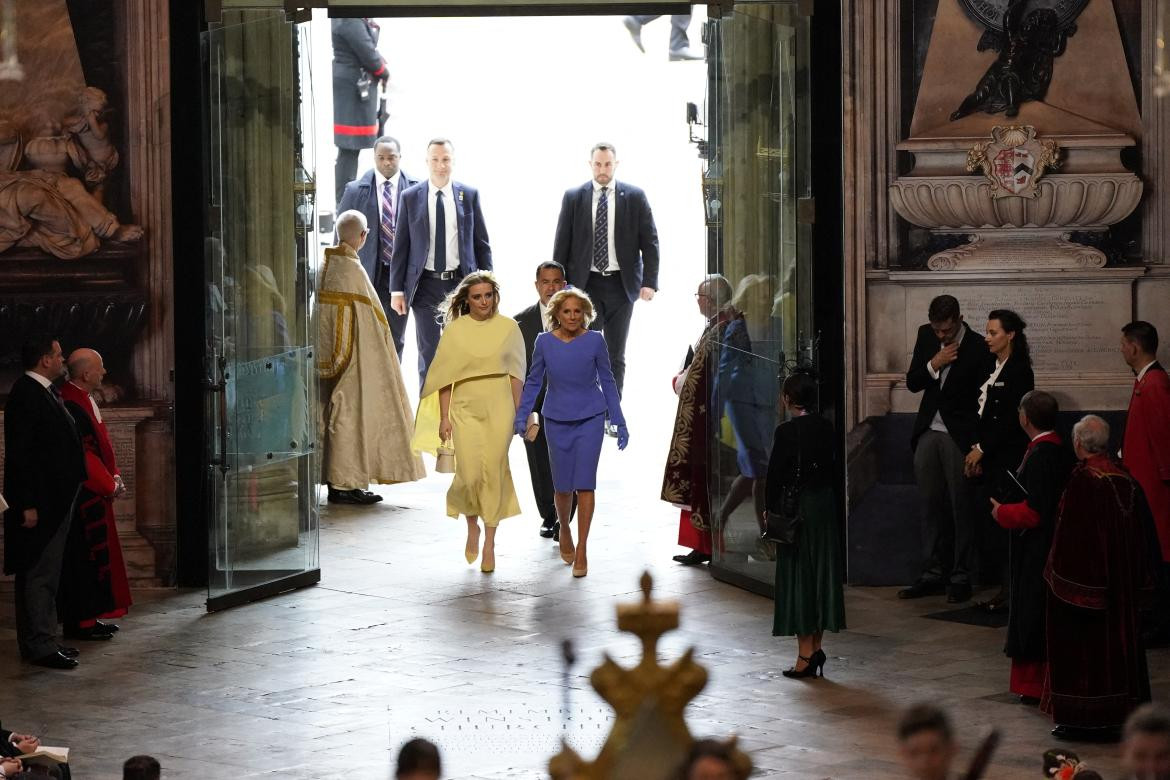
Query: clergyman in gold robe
x,y
366,415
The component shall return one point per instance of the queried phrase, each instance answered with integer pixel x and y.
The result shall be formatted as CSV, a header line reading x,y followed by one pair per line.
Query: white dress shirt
x,y
611,198
451,212
1142,373
395,185
999,364
45,383
937,423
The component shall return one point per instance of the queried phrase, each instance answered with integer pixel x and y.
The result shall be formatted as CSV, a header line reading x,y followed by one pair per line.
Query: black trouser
x,y
947,528
427,330
540,471
344,170
614,309
36,596
397,321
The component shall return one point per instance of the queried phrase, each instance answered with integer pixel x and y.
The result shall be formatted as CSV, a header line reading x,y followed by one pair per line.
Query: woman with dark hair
x,y
1001,443
809,596
469,399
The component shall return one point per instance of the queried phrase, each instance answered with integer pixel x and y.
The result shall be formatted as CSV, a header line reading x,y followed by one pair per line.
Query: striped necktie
x,y
386,248
601,233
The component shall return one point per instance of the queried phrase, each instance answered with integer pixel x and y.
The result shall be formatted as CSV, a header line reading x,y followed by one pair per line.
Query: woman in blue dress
x,y
581,390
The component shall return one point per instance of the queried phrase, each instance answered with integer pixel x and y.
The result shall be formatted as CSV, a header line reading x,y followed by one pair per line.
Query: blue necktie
x,y
440,233
601,233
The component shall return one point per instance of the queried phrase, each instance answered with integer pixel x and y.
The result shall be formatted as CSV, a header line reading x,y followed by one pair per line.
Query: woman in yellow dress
x,y
469,398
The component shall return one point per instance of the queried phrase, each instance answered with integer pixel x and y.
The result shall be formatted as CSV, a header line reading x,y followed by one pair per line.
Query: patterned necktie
x,y
387,229
601,233
440,233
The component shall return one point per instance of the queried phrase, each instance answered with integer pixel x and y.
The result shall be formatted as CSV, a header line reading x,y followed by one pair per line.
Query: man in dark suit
x,y
44,466
440,238
550,279
948,367
607,242
377,194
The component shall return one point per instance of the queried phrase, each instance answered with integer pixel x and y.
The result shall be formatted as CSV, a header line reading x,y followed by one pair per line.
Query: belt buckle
x,y
447,276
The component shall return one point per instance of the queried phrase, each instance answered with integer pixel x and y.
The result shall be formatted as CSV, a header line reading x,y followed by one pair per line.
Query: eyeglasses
x,y
703,295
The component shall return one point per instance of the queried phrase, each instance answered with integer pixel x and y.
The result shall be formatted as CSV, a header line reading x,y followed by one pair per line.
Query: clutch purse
x,y
445,458
533,429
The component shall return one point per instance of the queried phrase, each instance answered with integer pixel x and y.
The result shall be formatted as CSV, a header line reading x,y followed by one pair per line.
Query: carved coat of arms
x,y
1013,160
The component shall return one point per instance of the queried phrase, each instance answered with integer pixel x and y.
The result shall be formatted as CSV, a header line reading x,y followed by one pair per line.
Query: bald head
x,y
86,368
351,227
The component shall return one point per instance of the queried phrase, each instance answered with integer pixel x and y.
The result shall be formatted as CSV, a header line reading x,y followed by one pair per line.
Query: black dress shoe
x,y
1029,701
556,537
922,588
88,634
68,652
354,496
1079,734
958,593
111,627
55,661
547,528
693,558
996,605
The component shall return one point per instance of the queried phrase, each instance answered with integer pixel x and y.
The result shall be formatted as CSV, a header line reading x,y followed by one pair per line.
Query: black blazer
x,y
1001,438
634,236
809,439
361,194
958,399
531,326
44,465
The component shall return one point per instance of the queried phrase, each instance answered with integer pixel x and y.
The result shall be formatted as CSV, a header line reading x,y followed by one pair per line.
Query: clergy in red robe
x,y
1145,451
94,584
684,483
1039,482
1099,577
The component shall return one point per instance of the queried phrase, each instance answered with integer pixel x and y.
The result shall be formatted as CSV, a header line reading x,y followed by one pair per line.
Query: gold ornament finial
x,y
650,738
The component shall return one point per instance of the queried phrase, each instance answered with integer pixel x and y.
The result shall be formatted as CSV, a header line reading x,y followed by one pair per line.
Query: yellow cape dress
x,y
478,359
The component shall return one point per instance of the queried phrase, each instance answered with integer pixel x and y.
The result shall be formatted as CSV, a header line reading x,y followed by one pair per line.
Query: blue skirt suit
x,y
581,389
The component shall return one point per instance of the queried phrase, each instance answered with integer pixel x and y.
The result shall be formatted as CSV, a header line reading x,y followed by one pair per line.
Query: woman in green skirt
x,y
809,598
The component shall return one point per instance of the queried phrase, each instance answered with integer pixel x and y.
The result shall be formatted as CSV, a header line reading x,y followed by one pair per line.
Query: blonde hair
x,y
559,298
455,305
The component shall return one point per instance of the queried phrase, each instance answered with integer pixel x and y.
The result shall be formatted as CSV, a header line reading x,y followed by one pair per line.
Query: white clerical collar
x,y
1142,373
45,383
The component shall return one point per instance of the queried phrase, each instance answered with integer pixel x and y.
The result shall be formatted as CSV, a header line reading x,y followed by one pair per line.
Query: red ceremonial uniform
x,y
101,468
1145,452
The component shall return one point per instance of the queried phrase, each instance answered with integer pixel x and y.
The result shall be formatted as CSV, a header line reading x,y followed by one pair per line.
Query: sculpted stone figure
x,y
1027,47
89,127
47,208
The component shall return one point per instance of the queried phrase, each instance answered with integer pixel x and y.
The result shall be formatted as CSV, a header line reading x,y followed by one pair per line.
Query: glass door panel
x,y
758,175
262,399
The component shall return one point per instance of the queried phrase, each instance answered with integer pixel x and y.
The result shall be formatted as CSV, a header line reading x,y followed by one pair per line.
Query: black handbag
x,y
782,526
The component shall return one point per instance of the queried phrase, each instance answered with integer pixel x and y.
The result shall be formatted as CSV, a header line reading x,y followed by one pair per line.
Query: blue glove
x,y
623,437
520,426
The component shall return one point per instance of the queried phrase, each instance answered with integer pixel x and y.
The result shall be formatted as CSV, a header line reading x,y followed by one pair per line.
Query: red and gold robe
x,y
95,584
1145,451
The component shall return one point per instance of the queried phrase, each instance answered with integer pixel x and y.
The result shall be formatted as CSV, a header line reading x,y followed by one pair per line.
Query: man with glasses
x,y
376,195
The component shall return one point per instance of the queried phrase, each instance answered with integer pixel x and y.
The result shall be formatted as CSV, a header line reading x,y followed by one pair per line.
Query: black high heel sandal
x,y
814,666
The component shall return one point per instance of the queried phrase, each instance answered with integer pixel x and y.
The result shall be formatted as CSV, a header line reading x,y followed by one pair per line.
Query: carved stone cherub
x,y
1022,72
89,127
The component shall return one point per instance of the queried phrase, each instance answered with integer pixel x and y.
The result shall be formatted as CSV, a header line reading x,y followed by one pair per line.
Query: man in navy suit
x,y
377,194
607,242
441,238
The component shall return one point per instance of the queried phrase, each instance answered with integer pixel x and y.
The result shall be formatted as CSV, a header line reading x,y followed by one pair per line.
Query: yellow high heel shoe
x,y
471,553
487,568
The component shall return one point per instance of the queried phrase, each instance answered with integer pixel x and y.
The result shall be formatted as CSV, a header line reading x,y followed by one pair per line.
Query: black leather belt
x,y
605,273
441,275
